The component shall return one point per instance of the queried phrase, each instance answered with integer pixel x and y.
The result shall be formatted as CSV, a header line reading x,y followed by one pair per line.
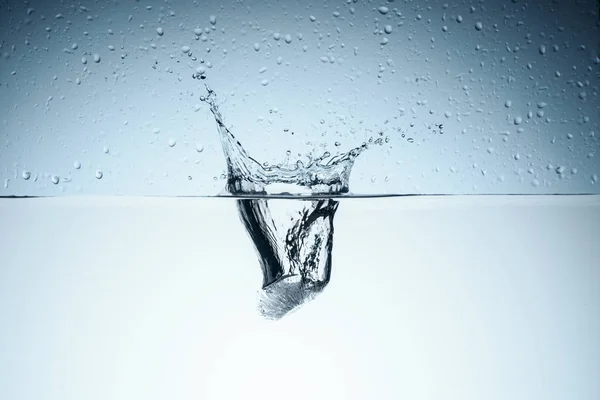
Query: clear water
x,y
429,298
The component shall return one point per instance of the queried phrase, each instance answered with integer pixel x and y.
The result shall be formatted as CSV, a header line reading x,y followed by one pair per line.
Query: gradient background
x,y
537,61
431,298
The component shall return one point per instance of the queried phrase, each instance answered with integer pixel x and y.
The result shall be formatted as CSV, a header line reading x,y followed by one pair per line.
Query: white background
x,y
430,298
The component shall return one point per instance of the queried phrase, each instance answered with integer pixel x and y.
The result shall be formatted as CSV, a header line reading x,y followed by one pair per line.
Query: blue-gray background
x,y
98,97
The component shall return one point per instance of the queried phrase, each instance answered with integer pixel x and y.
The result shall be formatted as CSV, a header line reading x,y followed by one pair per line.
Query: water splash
x,y
293,238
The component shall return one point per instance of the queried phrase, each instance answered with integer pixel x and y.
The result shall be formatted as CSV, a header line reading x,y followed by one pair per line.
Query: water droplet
x,y
276,36
387,29
105,150
99,174
542,49
594,178
160,31
213,19
97,58
518,120
447,114
383,10
459,18
264,82
77,165
560,170
507,103
185,49
55,179
172,142
256,46
83,60
288,38
26,175
478,25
